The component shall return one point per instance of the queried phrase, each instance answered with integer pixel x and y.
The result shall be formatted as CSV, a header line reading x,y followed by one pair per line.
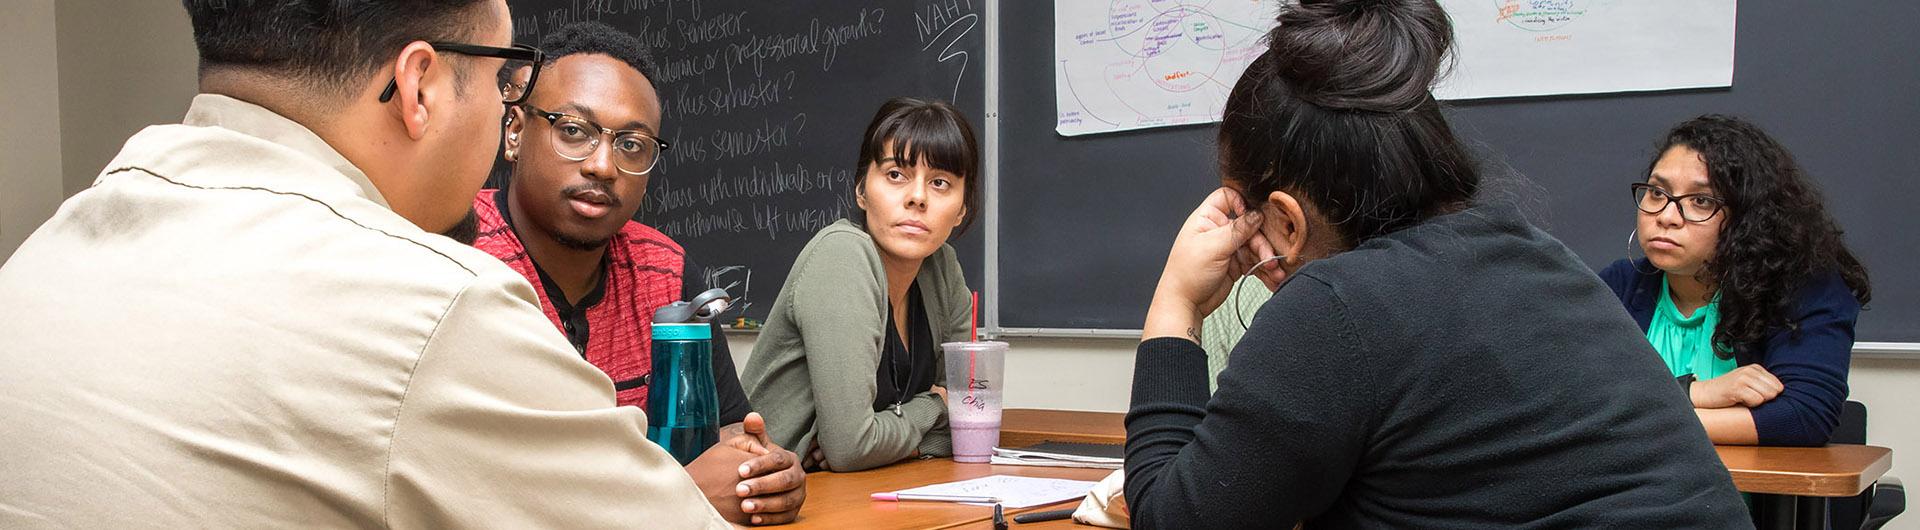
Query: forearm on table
x,y
1729,426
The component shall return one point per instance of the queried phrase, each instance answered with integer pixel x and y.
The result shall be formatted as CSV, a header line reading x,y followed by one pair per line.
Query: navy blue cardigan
x,y
1811,362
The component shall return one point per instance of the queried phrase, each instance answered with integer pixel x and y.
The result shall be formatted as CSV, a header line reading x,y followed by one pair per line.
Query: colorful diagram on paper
x,y
1540,15
1518,48
1132,64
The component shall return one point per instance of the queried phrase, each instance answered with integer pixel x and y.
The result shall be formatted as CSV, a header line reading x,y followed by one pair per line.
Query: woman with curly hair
x,y
1747,289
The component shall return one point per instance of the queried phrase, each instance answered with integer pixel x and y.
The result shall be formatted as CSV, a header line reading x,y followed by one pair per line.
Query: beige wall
x,y
1890,387
124,65
81,76
30,132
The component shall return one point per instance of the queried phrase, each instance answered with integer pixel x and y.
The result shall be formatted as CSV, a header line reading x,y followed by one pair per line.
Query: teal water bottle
x,y
683,410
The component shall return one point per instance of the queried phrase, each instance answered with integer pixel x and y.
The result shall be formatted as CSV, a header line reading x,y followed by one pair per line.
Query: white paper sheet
x,y
1013,492
1133,64
1506,48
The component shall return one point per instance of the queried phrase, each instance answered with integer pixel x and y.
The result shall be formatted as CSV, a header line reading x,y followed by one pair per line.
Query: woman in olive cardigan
x,y
848,367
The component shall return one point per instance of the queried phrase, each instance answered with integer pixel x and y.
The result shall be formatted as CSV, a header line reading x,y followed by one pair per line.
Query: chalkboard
x,y
1090,218
764,104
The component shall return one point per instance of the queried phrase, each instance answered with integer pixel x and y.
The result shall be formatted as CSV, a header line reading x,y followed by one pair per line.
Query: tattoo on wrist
x,y
1193,332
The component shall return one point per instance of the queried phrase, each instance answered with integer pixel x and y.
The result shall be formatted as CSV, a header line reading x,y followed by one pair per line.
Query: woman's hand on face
x,y
1261,257
1211,250
1746,386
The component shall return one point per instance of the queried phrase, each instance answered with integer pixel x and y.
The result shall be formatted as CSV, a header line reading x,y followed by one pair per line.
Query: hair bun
x,y
1371,55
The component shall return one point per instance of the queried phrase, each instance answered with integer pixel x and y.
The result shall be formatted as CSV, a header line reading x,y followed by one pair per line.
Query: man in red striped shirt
x,y
582,148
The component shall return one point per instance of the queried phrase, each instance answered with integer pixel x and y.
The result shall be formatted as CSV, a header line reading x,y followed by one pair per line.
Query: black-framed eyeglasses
x,y
635,152
516,76
1694,207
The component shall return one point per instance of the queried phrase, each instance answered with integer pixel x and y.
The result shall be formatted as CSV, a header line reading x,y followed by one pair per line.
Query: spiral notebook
x,y
1063,454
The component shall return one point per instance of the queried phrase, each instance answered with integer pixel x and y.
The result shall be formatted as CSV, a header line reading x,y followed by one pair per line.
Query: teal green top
x,y
1686,342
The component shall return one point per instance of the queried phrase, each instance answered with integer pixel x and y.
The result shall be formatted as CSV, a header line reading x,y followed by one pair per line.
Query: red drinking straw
x,y
973,323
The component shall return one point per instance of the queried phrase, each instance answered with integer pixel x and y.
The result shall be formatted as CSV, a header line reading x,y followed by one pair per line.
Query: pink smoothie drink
x,y
974,371
973,442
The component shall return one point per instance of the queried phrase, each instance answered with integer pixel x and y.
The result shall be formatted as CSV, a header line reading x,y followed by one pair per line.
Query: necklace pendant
x,y
896,409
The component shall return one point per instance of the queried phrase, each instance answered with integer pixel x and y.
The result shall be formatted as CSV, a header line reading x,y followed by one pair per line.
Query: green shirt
x,y
1686,342
811,374
1222,328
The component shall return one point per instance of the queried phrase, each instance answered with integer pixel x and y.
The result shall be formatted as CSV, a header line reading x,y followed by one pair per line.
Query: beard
x,y
579,243
466,231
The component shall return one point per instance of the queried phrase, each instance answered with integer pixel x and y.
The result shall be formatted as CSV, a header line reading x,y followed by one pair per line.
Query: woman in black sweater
x,y
1424,362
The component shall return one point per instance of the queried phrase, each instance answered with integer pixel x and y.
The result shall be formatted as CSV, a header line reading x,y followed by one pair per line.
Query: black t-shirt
x,y
906,367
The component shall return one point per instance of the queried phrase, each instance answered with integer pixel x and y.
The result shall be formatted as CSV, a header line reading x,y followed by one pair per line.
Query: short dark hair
x,y
329,45
595,37
1339,109
933,131
575,39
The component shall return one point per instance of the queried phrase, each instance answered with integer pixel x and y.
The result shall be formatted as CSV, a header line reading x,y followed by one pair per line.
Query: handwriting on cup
x,y
972,401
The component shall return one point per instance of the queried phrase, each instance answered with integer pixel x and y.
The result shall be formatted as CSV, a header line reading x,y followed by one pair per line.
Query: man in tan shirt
x,y
247,321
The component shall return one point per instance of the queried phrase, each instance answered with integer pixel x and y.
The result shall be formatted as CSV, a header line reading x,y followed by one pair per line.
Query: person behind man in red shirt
x,y
581,149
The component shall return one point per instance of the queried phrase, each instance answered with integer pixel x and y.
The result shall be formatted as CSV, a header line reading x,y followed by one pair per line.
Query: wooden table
x,y
1838,470
1791,484
839,501
1024,427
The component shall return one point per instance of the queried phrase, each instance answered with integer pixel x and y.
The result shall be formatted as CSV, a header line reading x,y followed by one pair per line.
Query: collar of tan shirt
x,y
226,112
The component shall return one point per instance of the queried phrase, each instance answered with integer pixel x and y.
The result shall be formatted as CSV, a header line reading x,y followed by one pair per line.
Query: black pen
x,y
1036,517
999,518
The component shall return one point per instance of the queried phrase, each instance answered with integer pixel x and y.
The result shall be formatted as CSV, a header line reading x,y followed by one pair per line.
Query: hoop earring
x,y
1233,297
1633,242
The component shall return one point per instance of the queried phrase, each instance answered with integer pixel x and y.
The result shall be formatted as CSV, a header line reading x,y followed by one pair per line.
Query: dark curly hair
x,y
1777,236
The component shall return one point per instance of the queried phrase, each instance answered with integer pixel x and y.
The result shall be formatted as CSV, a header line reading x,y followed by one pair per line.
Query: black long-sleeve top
x,y
1468,372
